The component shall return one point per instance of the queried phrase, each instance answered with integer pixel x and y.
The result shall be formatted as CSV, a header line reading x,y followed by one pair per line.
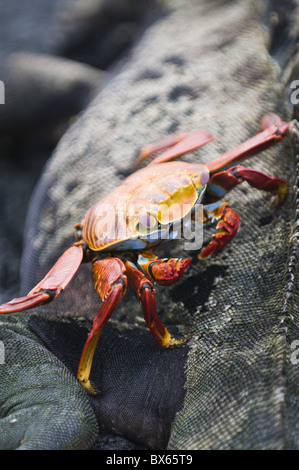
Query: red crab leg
x,y
110,283
52,284
228,179
274,133
227,226
145,292
177,145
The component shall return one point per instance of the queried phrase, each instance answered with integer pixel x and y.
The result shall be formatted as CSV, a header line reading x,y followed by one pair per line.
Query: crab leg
x,y
222,182
272,134
227,226
110,283
145,292
274,131
177,145
52,284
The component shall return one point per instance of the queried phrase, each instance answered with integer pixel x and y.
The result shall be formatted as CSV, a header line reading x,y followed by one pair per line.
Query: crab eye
x,y
146,222
204,176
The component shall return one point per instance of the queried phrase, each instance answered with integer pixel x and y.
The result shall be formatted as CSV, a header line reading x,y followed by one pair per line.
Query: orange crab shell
x,y
166,192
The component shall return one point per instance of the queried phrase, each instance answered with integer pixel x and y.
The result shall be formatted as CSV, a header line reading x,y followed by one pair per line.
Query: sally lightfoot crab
x,y
119,233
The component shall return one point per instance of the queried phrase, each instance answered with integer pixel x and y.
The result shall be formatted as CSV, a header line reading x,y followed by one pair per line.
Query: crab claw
x,y
227,228
167,272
